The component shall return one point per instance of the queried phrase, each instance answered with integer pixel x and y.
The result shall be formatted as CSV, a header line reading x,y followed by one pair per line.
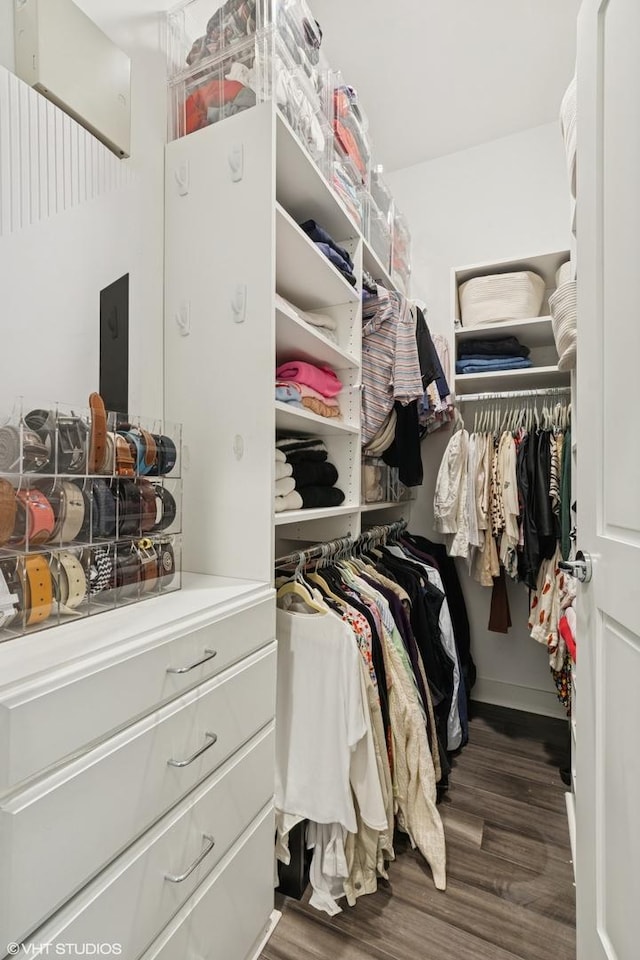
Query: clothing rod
x,y
343,545
513,394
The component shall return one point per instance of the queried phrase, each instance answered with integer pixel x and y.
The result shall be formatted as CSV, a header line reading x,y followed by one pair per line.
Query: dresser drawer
x,y
132,901
229,914
48,718
60,832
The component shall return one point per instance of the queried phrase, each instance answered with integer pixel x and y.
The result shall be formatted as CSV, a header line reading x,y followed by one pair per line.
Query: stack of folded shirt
x,y
485,355
338,256
308,386
323,323
304,477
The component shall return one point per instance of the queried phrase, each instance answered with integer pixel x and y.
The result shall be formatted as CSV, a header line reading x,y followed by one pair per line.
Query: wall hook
x,y
236,162
183,319
182,176
239,303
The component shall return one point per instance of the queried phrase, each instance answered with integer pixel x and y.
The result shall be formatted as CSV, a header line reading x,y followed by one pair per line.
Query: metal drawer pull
x,y
211,737
179,877
209,655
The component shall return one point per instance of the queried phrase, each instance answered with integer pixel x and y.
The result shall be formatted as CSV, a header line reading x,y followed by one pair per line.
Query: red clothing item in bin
x,y
347,131
213,94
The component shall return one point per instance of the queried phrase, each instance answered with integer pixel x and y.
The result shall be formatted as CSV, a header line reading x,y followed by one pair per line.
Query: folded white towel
x,y
283,469
285,486
280,456
293,501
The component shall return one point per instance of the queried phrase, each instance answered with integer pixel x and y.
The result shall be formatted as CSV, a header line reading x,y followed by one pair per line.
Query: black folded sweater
x,y
497,347
310,473
321,497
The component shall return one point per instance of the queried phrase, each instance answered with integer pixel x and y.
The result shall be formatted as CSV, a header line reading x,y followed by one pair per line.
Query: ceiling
x,y
438,76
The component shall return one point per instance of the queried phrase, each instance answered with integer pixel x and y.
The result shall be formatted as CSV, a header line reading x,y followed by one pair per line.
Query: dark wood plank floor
x,y
510,893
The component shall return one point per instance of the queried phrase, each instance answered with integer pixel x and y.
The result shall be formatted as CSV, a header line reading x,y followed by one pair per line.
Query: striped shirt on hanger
x,y
390,363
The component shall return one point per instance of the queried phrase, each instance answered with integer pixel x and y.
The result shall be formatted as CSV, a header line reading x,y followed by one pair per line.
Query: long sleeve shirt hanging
x,y
390,362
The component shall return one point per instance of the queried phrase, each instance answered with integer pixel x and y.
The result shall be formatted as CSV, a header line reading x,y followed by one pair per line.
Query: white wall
x,y
504,199
102,218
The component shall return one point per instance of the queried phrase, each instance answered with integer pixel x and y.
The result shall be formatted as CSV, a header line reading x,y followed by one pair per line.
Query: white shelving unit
x,y
496,380
226,332
303,274
295,420
534,332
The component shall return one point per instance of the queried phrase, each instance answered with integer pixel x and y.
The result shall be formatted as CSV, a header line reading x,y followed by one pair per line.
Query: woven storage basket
x,y
564,320
501,297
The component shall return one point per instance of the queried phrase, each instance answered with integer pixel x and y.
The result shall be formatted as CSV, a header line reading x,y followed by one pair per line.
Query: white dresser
x,y
136,778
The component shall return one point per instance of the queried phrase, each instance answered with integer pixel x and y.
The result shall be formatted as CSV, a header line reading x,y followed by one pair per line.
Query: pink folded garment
x,y
322,379
306,391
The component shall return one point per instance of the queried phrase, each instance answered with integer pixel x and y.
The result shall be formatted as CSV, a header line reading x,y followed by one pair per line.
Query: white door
x,y
608,480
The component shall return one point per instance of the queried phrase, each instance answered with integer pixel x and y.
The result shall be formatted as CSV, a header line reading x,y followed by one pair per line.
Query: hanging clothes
x,y
502,501
372,695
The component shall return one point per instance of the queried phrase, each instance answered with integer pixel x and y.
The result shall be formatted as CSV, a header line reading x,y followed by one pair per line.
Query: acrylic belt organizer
x,y
90,513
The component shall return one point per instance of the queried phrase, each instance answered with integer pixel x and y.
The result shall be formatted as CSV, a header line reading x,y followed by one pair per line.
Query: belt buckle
x,y
72,435
145,550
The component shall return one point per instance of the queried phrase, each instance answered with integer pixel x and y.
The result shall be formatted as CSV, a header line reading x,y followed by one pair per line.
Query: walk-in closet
x,y
319,536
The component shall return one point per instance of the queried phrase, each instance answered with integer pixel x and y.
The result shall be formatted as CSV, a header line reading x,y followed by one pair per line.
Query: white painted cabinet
x,y
112,822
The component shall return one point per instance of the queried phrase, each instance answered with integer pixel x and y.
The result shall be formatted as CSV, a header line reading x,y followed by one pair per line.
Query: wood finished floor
x,y
510,893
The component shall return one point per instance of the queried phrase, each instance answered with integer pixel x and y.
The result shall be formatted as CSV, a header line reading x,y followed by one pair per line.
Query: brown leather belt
x,y
38,588
8,510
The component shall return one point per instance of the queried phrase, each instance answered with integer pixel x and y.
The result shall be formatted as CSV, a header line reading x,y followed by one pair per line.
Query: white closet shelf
x,y
303,191
385,505
322,513
497,380
303,274
373,265
297,340
534,332
305,421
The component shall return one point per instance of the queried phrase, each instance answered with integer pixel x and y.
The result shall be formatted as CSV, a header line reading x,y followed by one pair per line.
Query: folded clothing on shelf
x,y
484,354
285,486
313,479
313,473
300,395
487,365
319,235
325,324
292,501
335,254
283,469
314,497
295,449
320,378
488,348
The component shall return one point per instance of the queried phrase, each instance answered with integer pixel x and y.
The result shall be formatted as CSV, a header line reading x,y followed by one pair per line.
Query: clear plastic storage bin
x,y
90,513
378,232
350,128
299,90
346,182
224,61
200,31
401,252
381,483
218,88
381,194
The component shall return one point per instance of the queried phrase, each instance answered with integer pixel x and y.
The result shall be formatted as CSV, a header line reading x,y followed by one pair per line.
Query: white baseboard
x,y
512,695
571,817
274,920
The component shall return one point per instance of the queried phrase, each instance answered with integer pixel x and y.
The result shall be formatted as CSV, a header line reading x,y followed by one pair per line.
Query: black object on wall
x,y
114,345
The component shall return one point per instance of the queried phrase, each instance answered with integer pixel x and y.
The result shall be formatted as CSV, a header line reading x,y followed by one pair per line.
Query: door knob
x,y
581,568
